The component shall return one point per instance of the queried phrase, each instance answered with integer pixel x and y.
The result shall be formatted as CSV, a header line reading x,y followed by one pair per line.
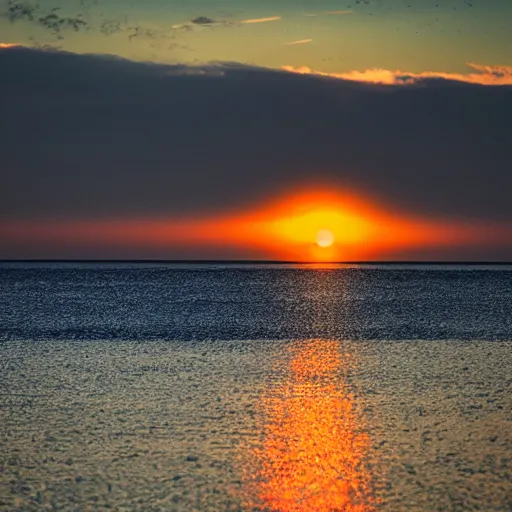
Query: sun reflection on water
x,y
312,455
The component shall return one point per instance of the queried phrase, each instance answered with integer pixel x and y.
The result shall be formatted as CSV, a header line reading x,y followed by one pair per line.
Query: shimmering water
x,y
250,389
249,302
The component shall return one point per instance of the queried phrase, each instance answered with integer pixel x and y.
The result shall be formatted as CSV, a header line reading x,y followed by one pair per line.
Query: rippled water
x,y
198,416
203,302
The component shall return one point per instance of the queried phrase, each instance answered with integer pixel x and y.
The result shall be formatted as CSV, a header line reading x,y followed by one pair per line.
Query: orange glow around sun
x,y
309,226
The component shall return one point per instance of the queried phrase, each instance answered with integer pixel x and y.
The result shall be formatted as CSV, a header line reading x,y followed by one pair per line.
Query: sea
x,y
142,301
213,387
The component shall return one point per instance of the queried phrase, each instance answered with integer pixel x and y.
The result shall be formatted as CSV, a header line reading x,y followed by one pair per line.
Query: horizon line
x,y
253,262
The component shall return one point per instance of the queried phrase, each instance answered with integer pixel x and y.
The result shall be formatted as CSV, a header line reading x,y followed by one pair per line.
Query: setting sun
x,y
324,238
313,226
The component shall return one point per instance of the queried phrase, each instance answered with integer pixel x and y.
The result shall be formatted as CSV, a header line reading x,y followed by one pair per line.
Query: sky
x,y
241,130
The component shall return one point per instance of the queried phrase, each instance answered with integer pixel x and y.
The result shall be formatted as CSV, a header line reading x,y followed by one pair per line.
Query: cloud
x,y
203,20
485,75
95,137
49,19
261,20
301,41
59,26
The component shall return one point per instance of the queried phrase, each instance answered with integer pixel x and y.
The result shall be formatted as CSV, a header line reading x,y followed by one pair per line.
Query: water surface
x,y
207,302
255,388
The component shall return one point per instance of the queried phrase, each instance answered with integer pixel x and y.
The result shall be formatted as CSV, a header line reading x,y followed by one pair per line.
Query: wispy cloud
x,y
482,75
9,45
301,41
204,21
201,22
339,12
60,25
20,10
261,20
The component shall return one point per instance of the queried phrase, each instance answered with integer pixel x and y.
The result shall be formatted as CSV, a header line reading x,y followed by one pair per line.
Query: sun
x,y
324,238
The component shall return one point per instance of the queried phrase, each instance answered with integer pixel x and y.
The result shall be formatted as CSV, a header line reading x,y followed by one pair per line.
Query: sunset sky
x,y
242,129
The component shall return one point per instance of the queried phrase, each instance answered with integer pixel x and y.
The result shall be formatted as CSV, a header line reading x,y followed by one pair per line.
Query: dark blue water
x,y
204,302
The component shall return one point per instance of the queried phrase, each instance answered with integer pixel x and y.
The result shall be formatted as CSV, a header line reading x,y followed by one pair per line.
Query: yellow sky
x,y
327,35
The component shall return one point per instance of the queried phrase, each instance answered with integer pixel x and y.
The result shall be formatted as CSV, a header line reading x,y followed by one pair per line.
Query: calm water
x,y
255,388
254,302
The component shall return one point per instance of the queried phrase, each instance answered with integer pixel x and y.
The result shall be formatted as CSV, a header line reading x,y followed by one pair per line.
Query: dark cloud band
x,y
88,136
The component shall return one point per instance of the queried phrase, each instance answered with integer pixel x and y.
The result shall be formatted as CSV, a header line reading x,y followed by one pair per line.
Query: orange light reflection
x,y
312,458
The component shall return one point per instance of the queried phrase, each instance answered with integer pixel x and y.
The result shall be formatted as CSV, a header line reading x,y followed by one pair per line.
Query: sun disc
x,y
324,238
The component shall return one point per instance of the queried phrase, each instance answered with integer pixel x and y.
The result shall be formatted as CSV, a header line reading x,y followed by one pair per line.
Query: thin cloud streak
x,y
261,20
301,41
485,75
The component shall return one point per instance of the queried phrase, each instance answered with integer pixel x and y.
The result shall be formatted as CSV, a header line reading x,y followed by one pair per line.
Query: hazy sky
x,y
219,109
334,35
